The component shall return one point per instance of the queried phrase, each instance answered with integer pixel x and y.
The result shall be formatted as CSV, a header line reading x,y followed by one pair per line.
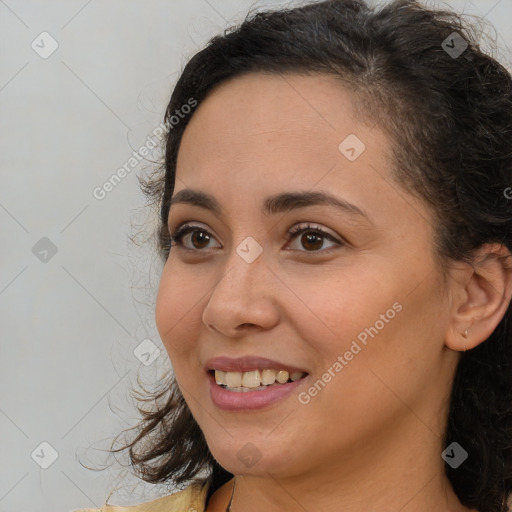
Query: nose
x,y
244,298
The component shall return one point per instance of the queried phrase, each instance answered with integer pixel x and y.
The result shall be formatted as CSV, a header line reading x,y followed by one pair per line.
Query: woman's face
x,y
359,308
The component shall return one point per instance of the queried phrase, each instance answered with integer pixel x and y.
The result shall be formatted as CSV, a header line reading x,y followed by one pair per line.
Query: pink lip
x,y
234,401
248,363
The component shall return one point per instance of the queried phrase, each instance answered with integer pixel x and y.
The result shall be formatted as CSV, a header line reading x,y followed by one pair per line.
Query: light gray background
x,y
70,325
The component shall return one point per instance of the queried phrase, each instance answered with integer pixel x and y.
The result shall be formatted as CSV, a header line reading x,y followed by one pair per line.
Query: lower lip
x,y
240,401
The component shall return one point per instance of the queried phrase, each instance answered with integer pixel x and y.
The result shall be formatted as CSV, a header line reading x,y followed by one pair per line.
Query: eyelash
x,y
176,238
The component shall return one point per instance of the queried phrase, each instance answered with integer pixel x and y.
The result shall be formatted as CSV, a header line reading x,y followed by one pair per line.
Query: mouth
x,y
254,380
251,382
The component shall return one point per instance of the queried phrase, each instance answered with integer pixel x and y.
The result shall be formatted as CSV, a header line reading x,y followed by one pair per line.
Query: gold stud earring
x,y
465,336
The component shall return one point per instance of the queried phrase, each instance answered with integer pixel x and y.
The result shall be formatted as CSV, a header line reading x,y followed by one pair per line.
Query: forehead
x,y
272,126
270,104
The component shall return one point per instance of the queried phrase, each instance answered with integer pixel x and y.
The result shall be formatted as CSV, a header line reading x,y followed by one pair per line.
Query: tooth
x,y
254,378
220,377
282,376
233,379
251,379
268,377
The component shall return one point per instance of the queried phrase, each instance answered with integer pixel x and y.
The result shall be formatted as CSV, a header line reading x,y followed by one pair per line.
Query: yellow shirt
x,y
190,499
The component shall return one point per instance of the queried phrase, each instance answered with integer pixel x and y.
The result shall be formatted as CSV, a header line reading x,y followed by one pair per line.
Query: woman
x,y
336,231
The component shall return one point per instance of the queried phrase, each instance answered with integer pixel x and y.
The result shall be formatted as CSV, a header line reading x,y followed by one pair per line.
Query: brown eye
x,y
311,241
199,237
313,238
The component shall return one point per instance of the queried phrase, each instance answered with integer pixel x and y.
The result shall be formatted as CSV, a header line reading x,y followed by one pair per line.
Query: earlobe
x,y
465,335
485,293
460,339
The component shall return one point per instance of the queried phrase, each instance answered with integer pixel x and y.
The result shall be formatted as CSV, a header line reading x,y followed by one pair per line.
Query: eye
x,y
200,237
312,237
178,236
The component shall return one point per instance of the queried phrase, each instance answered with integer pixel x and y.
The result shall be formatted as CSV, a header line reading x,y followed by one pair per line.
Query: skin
x,y
371,439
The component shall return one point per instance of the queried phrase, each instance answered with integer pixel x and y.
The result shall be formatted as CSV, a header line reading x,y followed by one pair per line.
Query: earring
x,y
465,336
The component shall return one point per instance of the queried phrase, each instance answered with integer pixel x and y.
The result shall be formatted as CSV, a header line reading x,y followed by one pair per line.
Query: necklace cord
x,y
228,509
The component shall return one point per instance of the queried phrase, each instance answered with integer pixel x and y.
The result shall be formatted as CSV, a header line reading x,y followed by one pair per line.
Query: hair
x,y
449,120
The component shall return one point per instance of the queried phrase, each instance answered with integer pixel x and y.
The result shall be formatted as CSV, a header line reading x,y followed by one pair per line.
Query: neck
x,y
273,495
408,476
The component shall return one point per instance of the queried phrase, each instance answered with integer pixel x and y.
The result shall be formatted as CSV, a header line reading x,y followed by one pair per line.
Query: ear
x,y
481,293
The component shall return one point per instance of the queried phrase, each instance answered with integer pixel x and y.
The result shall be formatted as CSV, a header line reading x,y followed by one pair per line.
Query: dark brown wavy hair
x,y
449,118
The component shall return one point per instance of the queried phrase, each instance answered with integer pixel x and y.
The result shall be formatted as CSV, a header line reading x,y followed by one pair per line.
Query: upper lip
x,y
248,363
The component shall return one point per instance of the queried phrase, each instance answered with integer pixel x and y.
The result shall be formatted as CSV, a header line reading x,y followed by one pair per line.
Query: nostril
x,y
248,327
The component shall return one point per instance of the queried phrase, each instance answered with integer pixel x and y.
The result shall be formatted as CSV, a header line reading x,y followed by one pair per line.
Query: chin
x,y
253,455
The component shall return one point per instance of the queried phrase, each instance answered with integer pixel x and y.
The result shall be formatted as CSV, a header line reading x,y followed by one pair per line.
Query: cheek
x,y
175,312
375,318
334,308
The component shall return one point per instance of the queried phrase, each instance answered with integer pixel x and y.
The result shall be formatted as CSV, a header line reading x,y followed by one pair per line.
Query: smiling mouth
x,y
254,380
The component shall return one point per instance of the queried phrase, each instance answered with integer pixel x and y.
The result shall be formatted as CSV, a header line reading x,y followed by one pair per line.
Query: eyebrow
x,y
279,203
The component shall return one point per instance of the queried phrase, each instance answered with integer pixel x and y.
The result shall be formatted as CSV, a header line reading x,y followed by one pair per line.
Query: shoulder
x,y
190,499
